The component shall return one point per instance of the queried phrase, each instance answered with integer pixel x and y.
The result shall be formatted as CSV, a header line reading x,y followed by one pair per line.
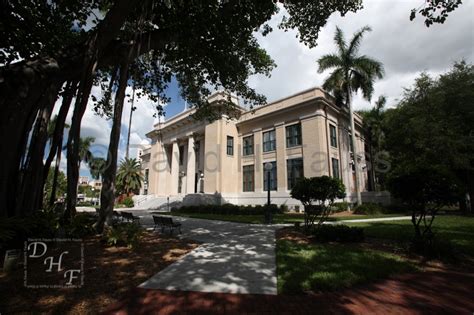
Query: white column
x,y
174,168
191,167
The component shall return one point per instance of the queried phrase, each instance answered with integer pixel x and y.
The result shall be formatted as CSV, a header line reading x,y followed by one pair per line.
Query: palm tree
x,y
351,73
129,175
85,155
373,120
55,149
96,167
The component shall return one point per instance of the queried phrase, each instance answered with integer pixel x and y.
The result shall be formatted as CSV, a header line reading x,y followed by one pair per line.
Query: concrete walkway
x,y
234,258
375,219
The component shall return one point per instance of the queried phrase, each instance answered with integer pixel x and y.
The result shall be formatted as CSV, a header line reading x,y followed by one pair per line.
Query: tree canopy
x,y
317,194
55,48
432,126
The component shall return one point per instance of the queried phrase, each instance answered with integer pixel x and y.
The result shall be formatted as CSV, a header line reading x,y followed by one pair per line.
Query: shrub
x,y
283,208
317,194
15,230
369,209
81,226
340,206
338,233
128,234
128,202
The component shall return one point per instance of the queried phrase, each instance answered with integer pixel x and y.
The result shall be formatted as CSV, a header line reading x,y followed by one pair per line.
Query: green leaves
x,y
436,11
129,176
428,136
310,16
318,189
351,72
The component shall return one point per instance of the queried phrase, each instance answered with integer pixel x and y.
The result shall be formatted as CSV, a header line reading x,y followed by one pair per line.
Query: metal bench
x,y
129,217
165,222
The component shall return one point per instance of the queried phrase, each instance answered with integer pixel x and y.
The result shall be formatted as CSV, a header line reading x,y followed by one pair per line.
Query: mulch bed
x,y
109,272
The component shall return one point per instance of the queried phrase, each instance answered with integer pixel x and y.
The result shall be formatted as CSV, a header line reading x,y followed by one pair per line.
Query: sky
x,y
406,48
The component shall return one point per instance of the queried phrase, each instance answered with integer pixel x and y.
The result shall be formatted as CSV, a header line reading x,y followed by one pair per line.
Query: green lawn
x,y
323,267
459,230
279,218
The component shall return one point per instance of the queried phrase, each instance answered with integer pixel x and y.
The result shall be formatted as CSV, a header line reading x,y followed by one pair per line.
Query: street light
x,y
268,169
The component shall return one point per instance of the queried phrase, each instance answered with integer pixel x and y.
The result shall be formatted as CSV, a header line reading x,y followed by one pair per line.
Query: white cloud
x,y
405,47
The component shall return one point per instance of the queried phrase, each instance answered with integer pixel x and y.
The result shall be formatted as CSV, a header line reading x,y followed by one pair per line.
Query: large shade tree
x,y
351,72
62,48
432,126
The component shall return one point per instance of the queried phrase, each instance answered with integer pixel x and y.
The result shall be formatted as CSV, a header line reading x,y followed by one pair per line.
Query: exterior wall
x,y
220,174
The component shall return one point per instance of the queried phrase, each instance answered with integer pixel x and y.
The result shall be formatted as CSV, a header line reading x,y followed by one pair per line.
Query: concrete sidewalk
x,y
234,258
376,219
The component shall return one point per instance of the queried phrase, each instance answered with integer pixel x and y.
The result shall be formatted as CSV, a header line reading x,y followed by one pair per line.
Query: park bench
x,y
129,217
165,222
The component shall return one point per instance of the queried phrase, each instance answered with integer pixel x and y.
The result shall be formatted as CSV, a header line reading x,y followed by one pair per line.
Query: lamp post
x,y
268,169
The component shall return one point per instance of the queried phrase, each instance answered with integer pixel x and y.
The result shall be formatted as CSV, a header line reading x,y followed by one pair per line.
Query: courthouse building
x,y
305,134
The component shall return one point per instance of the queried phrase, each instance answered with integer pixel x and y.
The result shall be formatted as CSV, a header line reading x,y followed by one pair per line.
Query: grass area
x,y
325,267
279,218
459,230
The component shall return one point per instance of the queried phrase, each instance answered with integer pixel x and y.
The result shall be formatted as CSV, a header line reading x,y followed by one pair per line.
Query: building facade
x,y
305,134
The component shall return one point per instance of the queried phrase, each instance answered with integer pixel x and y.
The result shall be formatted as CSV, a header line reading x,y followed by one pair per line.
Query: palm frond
x,y
340,41
328,62
369,66
356,39
335,81
129,175
360,81
380,103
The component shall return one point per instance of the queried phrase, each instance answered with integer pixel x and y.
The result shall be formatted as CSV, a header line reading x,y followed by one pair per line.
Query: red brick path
x,y
430,292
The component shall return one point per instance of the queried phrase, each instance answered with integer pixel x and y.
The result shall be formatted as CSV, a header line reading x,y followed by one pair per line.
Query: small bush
x,y
340,206
122,234
128,202
81,226
283,208
369,209
338,233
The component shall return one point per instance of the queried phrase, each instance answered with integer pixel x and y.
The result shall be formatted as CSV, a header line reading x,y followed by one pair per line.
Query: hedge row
x,y
229,209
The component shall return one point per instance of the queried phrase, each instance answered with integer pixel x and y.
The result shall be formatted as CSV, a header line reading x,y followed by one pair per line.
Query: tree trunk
x,y
130,122
470,198
108,178
354,147
30,188
74,136
54,185
57,140
22,87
